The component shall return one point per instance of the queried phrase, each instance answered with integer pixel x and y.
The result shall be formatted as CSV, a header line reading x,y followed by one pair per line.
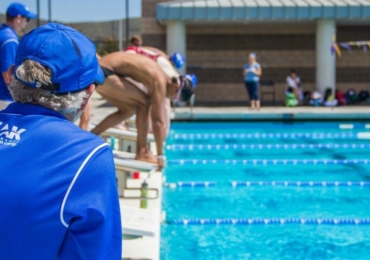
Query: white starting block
x,y
124,140
139,222
125,163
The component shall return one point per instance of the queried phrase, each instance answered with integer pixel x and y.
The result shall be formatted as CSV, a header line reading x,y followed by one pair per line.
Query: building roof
x,y
259,10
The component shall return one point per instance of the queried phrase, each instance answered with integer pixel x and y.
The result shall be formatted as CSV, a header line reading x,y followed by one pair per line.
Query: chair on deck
x,y
267,88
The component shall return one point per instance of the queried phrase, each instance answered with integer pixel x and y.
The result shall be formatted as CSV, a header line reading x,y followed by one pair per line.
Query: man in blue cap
x,y
17,17
59,197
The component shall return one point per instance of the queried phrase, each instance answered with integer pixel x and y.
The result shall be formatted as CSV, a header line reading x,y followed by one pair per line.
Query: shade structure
x,y
259,10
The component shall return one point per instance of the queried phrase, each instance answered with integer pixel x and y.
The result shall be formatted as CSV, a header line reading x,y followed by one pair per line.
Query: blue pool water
x,y
301,171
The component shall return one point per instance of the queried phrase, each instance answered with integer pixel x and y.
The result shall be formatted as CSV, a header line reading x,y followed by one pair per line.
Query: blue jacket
x,y
8,49
58,195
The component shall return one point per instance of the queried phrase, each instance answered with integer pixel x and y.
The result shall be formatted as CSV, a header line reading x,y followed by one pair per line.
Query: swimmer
x,y
135,83
166,63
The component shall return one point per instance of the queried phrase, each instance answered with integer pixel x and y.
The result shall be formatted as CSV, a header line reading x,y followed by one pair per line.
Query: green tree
x,y
107,45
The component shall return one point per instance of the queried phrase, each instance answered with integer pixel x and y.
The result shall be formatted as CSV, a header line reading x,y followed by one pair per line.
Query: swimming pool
x,y
267,191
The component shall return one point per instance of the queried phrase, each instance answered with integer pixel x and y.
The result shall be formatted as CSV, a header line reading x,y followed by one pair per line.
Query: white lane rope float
x,y
205,184
270,221
302,135
269,162
211,147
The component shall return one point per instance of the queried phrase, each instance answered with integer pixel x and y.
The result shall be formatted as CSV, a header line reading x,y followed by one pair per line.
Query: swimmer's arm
x,y
158,117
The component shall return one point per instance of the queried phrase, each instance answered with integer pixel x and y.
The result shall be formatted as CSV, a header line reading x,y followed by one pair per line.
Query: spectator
x,y
252,74
294,82
329,100
290,98
17,18
340,97
316,99
59,197
352,97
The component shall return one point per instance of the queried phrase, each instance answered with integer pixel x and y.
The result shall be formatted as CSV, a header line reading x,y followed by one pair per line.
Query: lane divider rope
x,y
182,147
204,184
301,183
318,135
198,184
272,221
267,162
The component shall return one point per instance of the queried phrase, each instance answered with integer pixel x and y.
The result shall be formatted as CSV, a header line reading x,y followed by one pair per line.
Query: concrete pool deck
x,y
100,109
273,113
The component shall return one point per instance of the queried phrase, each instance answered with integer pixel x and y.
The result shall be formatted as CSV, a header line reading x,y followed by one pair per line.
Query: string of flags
x,y
336,47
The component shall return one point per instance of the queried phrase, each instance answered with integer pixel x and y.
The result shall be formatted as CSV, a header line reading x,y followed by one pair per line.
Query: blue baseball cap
x,y
178,60
69,54
15,9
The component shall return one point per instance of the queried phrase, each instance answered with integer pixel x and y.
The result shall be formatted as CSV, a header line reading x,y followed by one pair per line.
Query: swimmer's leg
x,y
124,112
124,96
142,124
123,126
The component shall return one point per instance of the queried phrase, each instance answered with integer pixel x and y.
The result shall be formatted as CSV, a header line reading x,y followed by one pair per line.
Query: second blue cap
x,y
15,9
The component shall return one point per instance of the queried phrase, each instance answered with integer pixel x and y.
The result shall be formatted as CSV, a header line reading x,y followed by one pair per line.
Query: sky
x,y
80,10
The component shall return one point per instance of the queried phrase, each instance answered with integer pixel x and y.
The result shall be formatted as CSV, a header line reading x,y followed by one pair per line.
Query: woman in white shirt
x,y
294,82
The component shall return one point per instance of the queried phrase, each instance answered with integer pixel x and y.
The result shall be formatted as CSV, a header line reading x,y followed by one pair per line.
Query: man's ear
x,y
91,89
10,71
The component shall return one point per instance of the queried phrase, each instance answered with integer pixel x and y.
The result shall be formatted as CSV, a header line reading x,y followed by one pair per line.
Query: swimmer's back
x,y
137,67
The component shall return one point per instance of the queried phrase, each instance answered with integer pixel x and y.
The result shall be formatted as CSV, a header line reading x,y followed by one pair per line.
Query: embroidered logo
x,y
10,135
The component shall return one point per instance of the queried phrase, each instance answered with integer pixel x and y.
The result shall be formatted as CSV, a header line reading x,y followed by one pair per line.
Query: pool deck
x,y
273,113
100,109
